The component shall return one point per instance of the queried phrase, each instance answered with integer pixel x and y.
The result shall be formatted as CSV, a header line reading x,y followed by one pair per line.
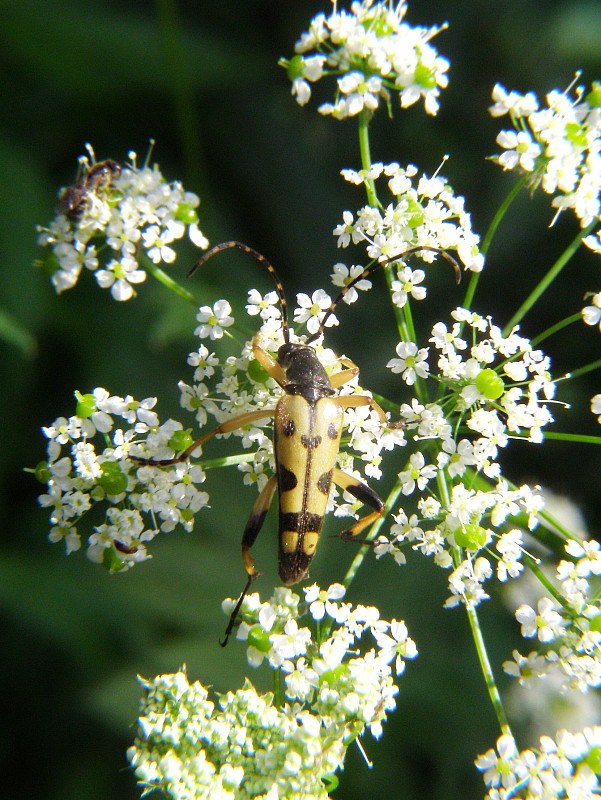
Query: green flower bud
x,y
490,384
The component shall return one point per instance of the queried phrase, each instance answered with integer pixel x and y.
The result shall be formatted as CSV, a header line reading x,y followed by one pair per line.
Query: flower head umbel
x,y
566,765
558,143
116,226
241,744
372,52
423,211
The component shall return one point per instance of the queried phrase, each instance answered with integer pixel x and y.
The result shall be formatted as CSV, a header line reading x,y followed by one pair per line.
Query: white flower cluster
x,y
139,501
496,388
424,212
570,631
115,224
559,144
241,744
372,51
567,766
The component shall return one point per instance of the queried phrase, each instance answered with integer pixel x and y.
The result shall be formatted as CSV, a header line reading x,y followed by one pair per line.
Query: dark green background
x,y
208,89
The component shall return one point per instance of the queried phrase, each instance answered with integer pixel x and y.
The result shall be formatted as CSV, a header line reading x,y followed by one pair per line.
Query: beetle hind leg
x,y
251,531
363,493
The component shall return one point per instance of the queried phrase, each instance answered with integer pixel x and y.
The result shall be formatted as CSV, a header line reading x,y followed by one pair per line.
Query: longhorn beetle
x,y
307,427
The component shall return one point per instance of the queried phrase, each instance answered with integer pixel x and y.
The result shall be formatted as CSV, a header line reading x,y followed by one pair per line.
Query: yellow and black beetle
x,y
308,423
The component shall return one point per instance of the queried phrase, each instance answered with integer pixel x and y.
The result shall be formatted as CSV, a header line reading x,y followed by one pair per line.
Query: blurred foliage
x,y
202,79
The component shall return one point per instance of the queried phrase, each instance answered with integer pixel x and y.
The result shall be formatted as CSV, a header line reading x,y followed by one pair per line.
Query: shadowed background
x,y
202,79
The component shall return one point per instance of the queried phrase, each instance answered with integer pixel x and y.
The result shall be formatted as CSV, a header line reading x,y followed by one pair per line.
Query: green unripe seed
x,y
295,67
42,472
490,384
112,480
593,759
180,440
111,561
256,372
576,134
593,98
424,76
186,214
470,536
258,638
86,405
332,676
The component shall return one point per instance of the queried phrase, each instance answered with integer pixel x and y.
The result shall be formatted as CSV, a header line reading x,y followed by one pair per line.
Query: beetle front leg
x,y
357,400
226,427
363,493
251,531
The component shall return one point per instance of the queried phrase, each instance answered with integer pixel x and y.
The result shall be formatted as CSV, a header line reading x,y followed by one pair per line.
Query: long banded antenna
x,y
262,260
372,268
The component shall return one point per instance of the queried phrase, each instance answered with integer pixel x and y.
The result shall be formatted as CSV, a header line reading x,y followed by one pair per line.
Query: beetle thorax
x,y
305,373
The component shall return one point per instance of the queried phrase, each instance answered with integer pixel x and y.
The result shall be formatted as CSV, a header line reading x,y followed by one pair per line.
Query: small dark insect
x,y
74,199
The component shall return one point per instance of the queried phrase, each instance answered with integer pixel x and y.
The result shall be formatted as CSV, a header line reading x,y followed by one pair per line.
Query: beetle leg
x,y
268,362
345,375
251,531
226,427
363,493
356,400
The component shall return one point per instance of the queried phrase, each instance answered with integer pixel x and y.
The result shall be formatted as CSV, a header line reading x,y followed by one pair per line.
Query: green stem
x,y
488,236
544,284
162,277
576,373
555,328
489,678
364,150
581,438
278,689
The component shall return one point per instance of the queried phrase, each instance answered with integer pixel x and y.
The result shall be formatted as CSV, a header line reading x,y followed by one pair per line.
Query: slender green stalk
x,y
544,284
488,236
581,438
576,373
364,149
278,689
555,328
162,277
489,678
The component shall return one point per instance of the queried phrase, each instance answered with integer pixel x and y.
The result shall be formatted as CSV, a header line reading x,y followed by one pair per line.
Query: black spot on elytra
x,y
288,427
332,431
286,479
324,482
310,442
